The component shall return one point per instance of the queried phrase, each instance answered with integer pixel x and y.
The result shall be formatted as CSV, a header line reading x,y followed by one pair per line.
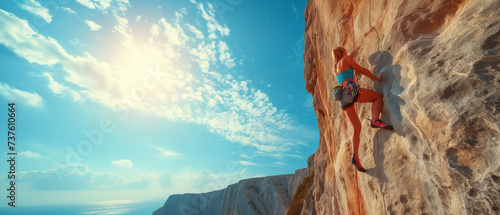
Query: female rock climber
x,y
343,70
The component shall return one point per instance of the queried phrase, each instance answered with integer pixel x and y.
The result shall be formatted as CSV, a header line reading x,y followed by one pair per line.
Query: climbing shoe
x,y
357,164
379,124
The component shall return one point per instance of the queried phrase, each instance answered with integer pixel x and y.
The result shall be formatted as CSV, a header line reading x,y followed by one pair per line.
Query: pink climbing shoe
x,y
379,124
357,164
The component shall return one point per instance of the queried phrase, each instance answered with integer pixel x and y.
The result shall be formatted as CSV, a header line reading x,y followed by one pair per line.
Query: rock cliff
x,y
266,195
440,64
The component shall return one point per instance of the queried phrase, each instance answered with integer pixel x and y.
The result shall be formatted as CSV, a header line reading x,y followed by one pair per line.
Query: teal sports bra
x,y
345,75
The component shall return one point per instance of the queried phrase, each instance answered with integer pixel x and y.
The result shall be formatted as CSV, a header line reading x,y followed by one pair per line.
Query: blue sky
x,y
120,99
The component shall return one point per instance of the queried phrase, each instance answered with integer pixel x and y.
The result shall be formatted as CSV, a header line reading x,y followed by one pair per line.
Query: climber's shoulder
x,y
349,59
352,63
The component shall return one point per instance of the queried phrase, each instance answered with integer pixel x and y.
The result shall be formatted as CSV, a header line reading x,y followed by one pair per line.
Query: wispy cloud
x,y
279,163
155,30
122,163
308,102
15,95
87,3
214,28
55,86
29,154
196,32
37,9
247,163
168,153
93,26
225,55
80,177
69,10
36,49
93,4
174,33
244,156
179,15
205,181
77,97
124,30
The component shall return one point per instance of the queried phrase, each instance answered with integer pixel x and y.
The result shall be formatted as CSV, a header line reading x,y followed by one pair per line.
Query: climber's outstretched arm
x,y
364,71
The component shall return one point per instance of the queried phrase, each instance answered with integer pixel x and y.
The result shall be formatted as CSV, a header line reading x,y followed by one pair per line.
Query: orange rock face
x,y
440,67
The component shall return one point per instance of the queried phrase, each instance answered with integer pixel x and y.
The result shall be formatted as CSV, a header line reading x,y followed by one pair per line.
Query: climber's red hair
x,y
337,54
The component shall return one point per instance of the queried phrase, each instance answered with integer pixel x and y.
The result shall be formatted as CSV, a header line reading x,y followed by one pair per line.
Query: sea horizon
x,y
120,207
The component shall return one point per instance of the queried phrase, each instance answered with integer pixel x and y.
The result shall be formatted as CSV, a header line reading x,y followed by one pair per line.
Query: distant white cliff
x,y
266,195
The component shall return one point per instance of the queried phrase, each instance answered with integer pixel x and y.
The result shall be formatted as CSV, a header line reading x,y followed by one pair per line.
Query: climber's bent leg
x,y
378,102
376,98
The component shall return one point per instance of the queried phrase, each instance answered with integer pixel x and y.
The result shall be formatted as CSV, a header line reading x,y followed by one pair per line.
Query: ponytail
x,y
337,54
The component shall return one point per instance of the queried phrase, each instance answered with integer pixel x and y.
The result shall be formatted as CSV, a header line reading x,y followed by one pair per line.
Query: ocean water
x,y
112,208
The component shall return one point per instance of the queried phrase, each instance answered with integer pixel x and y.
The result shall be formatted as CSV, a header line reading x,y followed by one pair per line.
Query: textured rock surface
x,y
440,64
267,195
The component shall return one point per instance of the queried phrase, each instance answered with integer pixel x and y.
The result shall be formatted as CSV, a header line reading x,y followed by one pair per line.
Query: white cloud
x,y
196,32
167,153
87,3
103,4
69,10
206,55
93,26
125,31
80,177
55,86
224,30
174,33
123,5
75,96
180,14
206,181
29,154
15,95
212,24
37,9
244,156
17,35
93,4
77,42
138,18
247,163
86,72
225,55
122,163
207,15
308,103
279,163
155,30
295,156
